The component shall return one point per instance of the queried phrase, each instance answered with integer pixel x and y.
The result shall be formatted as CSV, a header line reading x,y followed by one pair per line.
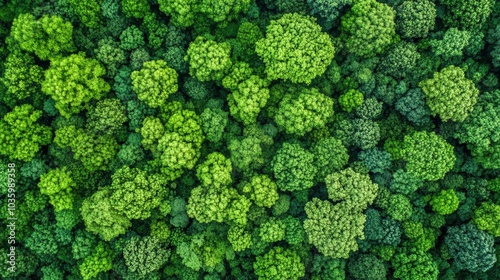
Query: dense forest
x,y
250,139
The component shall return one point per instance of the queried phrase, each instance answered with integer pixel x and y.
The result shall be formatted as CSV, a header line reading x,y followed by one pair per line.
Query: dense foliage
x,y
250,139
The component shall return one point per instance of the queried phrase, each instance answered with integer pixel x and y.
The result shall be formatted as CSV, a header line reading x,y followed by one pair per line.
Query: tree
x,y
327,268
144,255
333,228
410,263
239,73
136,9
73,81
328,9
244,46
261,190
293,168
57,184
154,83
248,152
87,11
479,130
365,133
22,77
99,261
330,156
239,238
20,136
175,141
94,151
287,44
109,53
279,263
214,122
248,99
422,146
412,106
449,94
400,60
486,217
445,202
368,28
404,182
471,248
101,218
272,230
208,60
452,44
215,171
184,12
134,193
48,37
131,38
400,208
300,113
207,204
351,100
47,239
179,147
468,14
367,267
414,19
354,189
223,11
376,160
195,89
294,231
107,117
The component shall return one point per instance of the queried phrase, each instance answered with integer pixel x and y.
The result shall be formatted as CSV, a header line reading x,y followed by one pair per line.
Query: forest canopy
x,y
250,139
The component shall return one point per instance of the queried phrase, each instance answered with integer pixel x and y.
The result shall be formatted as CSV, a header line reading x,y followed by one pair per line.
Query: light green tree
x,y
295,49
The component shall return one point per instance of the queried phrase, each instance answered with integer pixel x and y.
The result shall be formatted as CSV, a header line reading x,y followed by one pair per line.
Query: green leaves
x,y
487,217
145,255
261,190
449,94
293,168
471,248
101,218
48,37
414,19
136,9
175,142
299,114
215,171
20,136
154,83
428,155
350,100
57,184
95,151
355,189
73,81
279,263
333,228
480,130
445,202
248,99
135,194
208,60
22,77
184,13
368,28
288,48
